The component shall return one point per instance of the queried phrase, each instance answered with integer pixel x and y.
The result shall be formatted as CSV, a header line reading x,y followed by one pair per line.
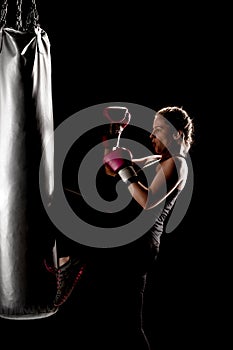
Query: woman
x,y
171,137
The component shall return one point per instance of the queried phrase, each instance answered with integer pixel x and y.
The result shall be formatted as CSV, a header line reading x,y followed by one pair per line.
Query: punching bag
x,y
26,133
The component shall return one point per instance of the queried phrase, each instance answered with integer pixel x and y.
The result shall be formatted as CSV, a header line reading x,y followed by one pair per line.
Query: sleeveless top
x,y
162,214
161,220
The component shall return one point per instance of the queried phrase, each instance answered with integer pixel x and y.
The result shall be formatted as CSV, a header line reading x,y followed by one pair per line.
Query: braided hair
x,y
180,119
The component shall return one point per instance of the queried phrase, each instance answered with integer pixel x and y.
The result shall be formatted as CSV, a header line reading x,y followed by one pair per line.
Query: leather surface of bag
x,y
26,131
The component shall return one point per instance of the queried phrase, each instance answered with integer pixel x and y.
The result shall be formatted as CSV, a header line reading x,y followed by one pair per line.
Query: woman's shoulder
x,y
175,163
180,161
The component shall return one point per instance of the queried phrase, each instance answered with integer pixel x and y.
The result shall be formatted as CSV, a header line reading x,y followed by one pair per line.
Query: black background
x,y
154,56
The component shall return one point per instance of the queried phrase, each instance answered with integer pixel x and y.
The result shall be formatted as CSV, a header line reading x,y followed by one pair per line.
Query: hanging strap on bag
x,y
19,23
32,18
3,14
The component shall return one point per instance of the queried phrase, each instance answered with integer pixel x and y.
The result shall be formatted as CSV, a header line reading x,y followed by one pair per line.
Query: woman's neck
x,y
176,152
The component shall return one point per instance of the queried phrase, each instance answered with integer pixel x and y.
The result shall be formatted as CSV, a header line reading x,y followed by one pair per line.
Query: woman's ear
x,y
177,135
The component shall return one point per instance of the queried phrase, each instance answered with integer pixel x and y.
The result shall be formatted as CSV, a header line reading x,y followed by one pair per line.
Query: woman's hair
x,y
181,121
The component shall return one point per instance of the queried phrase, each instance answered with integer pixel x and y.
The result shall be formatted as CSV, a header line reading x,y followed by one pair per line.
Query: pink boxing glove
x,y
118,158
120,161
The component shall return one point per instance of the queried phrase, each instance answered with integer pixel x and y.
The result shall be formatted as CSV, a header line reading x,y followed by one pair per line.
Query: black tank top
x,y
162,212
162,219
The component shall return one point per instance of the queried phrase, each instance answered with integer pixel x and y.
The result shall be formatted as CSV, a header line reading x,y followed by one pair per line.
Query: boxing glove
x,y
119,161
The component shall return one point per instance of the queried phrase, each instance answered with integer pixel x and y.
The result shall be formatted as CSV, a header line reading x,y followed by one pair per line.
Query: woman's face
x,y
162,135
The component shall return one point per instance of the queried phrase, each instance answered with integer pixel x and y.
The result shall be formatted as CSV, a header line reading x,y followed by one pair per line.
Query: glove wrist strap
x,y
128,175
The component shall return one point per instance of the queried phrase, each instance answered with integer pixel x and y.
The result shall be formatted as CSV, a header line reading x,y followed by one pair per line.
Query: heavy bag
x,y
26,133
